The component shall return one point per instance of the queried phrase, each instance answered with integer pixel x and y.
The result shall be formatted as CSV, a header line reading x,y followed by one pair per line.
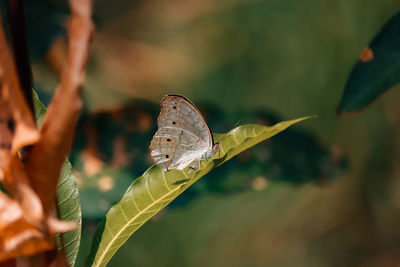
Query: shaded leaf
x,y
377,70
70,209
155,189
67,196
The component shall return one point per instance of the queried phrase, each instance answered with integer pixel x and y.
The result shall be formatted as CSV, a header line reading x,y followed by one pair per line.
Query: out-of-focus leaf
x,y
40,109
155,189
70,209
377,70
67,196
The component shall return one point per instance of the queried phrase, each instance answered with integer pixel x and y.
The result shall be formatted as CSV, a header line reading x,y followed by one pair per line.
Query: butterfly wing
x,y
183,135
179,151
177,111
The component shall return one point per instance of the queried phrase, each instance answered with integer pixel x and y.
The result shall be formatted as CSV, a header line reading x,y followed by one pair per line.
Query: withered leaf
x,y
59,123
18,235
27,223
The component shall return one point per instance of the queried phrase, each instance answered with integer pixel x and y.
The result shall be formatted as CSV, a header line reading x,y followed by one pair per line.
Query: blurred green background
x,y
324,193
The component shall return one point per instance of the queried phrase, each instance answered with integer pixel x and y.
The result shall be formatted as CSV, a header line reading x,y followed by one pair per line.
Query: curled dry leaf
x,y
57,129
18,235
21,218
27,222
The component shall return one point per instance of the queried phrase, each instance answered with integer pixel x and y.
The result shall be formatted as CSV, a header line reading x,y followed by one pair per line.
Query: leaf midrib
x,y
126,225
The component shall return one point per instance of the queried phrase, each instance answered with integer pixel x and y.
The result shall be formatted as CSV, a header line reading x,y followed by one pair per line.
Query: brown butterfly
x,y
183,137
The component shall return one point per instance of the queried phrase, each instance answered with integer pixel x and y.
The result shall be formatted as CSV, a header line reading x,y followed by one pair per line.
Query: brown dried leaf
x,y
16,181
26,218
14,111
22,226
18,236
59,123
57,226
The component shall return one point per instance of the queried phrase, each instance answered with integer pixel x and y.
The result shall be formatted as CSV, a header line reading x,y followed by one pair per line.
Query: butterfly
x,y
183,137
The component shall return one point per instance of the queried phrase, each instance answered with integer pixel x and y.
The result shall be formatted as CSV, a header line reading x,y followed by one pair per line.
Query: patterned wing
x,y
177,111
183,135
175,148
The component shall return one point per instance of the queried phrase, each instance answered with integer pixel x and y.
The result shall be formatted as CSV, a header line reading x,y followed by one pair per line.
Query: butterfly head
x,y
210,153
215,148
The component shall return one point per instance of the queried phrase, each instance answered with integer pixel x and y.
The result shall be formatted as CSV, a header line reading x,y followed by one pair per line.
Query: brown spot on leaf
x,y
366,55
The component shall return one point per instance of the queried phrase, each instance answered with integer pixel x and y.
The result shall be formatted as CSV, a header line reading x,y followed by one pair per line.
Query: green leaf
x,y
70,209
155,189
40,109
67,196
377,70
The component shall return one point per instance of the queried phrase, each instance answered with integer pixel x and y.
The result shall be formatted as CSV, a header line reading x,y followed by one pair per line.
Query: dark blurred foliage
x,y
377,69
114,144
46,21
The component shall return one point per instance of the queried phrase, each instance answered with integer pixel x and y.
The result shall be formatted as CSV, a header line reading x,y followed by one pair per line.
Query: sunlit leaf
x,y
155,189
68,198
377,70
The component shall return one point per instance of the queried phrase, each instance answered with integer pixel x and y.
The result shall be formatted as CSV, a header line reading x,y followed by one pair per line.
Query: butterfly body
x,y
183,137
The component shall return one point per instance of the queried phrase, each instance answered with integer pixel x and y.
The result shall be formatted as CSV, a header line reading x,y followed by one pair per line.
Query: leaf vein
x,y
166,182
114,238
148,189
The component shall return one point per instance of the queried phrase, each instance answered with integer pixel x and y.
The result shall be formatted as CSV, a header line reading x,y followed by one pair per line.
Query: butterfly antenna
x,y
237,123
227,134
222,138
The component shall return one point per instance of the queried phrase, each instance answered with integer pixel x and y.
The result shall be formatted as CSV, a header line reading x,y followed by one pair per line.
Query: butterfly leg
x,y
194,166
164,167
